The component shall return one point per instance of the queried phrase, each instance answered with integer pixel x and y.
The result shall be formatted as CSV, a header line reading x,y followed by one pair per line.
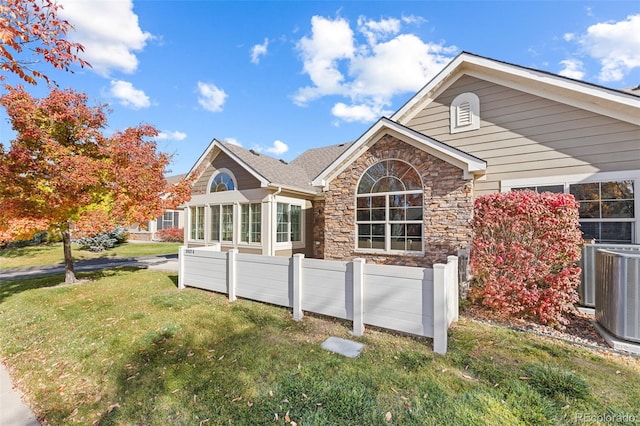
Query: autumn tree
x,y
63,174
31,32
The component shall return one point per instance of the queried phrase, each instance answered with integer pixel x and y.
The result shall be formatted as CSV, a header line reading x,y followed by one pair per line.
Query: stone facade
x,y
448,208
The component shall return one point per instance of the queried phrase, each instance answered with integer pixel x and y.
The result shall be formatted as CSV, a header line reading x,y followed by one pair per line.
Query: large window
x,y
288,223
251,223
389,208
196,223
222,223
607,212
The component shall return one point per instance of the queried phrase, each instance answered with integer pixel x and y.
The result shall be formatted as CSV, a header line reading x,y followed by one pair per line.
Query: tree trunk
x,y
69,273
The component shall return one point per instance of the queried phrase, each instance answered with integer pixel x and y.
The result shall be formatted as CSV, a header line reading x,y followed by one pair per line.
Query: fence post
x,y
358,296
297,286
181,267
454,288
231,274
440,324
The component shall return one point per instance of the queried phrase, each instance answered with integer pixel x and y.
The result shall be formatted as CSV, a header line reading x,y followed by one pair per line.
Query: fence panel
x,y
399,298
265,279
327,288
205,269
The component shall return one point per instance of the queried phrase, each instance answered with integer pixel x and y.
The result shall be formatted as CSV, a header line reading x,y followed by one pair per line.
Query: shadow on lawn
x,y
16,286
10,288
240,367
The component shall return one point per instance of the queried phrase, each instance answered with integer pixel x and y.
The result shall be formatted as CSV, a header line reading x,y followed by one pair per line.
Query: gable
x,y
469,165
616,104
243,178
524,135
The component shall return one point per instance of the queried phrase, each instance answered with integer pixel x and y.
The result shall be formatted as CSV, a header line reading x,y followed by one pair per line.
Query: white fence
x,y
420,301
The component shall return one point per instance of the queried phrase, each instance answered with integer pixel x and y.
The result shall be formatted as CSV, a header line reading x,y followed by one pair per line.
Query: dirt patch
x,y
579,330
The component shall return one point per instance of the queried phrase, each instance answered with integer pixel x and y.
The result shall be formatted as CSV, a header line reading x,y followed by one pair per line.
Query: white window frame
x,y
251,222
220,209
469,104
388,223
289,244
566,180
191,224
219,172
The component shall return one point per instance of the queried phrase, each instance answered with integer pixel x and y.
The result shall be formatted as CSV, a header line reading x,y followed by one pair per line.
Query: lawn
x,y
51,254
127,347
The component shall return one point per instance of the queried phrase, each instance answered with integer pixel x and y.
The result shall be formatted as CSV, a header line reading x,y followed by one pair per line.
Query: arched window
x,y
389,211
223,181
464,113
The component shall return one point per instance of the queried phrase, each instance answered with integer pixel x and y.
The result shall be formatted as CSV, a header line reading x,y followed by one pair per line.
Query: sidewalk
x,y
13,411
167,262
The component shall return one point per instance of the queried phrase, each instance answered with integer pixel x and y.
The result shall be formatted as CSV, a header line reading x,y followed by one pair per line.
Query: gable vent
x,y
464,113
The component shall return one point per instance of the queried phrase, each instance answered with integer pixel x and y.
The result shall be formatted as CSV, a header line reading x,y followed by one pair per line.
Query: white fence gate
x,y
421,301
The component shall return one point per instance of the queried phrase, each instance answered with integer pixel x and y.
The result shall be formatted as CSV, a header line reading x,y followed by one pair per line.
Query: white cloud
x,y
367,68
258,51
173,136
351,113
569,36
616,45
211,97
330,42
374,30
128,95
277,148
573,68
109,32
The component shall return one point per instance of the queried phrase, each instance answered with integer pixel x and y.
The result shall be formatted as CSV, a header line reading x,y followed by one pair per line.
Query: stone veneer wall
x,y
448,207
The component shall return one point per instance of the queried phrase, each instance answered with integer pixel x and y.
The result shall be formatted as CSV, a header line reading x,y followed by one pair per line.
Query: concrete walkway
x,y
13,410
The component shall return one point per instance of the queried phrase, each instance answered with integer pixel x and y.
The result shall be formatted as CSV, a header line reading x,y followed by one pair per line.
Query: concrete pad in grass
x,y
344,347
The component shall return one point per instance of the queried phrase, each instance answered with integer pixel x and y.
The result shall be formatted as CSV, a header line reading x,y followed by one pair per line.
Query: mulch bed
x,y
579,330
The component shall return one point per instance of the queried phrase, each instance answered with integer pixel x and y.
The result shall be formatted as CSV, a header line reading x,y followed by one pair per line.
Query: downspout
x,y
272,229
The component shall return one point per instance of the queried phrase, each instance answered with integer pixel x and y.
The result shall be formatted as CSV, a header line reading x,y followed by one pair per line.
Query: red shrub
x,y
524,253
171,235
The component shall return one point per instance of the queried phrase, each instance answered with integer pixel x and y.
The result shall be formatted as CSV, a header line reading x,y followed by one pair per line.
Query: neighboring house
x,y
169,219
402,193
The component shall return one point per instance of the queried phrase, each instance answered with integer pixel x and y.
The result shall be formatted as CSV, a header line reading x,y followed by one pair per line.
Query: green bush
x,y
104,241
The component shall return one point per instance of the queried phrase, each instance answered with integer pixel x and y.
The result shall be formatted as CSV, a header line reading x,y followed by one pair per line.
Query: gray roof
x,y
275,171
316,160
297,174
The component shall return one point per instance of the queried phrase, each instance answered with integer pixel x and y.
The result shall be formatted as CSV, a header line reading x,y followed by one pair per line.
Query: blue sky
x,y
284,76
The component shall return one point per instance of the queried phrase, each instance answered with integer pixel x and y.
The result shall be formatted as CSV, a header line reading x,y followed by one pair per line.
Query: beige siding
x,y
222,161
523,135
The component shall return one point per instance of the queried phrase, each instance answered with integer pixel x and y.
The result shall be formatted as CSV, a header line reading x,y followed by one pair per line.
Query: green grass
x,y
50,254
127,347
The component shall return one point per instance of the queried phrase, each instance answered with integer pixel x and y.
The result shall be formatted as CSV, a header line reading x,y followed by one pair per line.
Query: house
x,y
402,193
169,219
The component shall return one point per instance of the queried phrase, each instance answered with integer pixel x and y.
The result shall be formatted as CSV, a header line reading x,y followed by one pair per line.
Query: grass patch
x,y
51,254
127,347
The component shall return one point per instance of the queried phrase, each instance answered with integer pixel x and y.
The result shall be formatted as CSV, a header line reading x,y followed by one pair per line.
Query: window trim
x,y
191,224
388,223
219,172
632,175
288,243
219,207
261,232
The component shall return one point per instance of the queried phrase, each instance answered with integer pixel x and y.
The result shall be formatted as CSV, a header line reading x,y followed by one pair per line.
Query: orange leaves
x,y
35,23
62,169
